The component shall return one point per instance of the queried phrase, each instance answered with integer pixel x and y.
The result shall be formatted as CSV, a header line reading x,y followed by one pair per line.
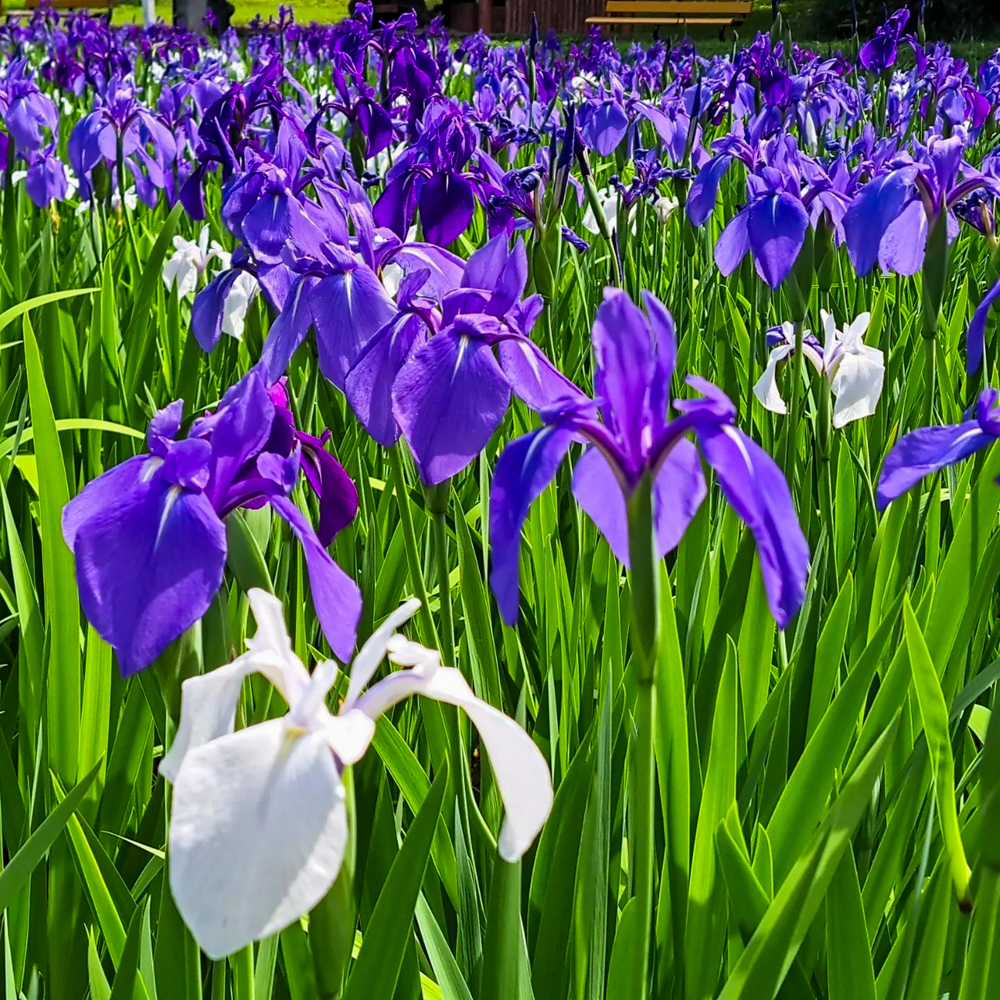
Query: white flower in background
x,y
608,198
583,82
664,207
131,199
609,204
241,294
259,823
189,262
854,371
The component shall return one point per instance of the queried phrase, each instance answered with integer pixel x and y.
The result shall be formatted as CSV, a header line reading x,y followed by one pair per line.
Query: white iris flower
x,y
259,823
855,372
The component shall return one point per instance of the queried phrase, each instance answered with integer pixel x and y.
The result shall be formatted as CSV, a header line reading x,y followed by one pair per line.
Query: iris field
x,y
497,520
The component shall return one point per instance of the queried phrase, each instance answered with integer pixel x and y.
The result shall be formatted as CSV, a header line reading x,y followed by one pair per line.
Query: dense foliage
x,y
953,19
636,406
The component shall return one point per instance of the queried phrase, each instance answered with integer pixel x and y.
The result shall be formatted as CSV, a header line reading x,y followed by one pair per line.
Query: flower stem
x,y
440,535
930,381
242,963
644,637
792,427
410,546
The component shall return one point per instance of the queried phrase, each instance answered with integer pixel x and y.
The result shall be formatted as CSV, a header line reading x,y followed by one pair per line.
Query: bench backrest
x,y
682,8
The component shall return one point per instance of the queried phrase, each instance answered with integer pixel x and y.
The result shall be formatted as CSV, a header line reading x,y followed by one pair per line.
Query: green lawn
x,y
326,11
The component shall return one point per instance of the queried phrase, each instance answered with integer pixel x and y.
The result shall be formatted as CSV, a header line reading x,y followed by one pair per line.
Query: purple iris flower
x,y
149,535
879,53
120,122
890,216
432,175
771,227
629,437
931,449
27,113
431,373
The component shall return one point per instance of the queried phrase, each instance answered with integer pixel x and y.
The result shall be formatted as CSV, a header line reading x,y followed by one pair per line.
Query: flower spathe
x,y
630,436
259,821
854,371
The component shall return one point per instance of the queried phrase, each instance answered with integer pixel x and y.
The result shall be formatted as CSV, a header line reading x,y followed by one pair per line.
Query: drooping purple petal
x,y
103,494
599,493
348,310
335,595
905,241
677,494
209,308
924,451
975,338
446,205
532,376
289,329
266,227
705,189
338,496
448,399
605,128
733,245
368,385
874,208
757,490
776,228
148,567
525,468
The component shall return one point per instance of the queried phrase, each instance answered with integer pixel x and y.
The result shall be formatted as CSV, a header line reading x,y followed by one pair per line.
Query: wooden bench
x,y
718,13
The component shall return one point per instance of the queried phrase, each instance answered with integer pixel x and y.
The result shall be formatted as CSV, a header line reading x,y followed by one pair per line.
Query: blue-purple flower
x,y
431,373
930,449
629,436
149,535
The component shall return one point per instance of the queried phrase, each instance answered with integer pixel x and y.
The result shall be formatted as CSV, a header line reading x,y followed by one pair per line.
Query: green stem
x,y
644,637
792,427
219,980
242,964
410,547
440,529
930,382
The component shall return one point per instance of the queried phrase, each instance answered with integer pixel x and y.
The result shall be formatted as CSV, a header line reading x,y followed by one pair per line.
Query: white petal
x,y
788,333
208,711
372,652
766,387
857,385
350,735
522,776
271,648
521,773
854,333
831,338
309,709
257,834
